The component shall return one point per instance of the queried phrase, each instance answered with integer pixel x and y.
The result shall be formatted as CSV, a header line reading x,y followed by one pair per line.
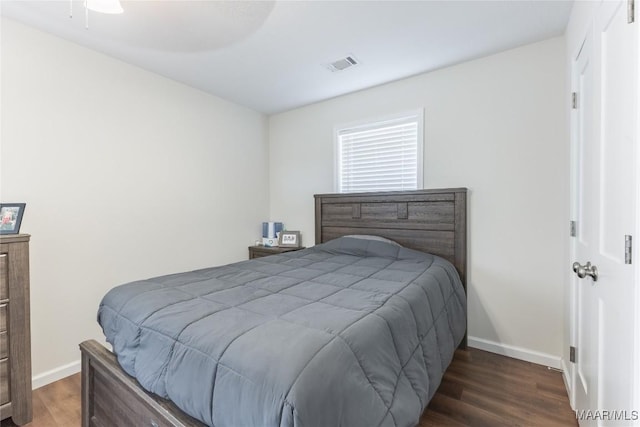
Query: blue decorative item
x,y
271,229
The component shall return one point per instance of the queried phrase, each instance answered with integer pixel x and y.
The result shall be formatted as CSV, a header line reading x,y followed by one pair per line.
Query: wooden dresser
x,y
15,332
260,251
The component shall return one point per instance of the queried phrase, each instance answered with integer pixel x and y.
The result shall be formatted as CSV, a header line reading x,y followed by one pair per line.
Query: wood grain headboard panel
x,y
433,221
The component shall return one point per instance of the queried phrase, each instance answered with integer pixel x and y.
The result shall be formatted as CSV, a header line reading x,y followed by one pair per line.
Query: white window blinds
x,y
381,156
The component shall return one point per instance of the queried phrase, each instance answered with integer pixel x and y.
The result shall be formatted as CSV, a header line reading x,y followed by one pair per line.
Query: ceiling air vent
x,y
343,64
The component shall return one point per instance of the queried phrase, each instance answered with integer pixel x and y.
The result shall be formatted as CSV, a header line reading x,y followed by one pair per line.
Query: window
x,y
385,155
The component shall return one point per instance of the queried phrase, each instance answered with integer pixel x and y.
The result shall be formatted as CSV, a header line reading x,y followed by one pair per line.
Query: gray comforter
x,y
347,333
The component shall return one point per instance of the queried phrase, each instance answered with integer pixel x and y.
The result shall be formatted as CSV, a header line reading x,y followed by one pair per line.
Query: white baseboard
x,y
55,374
516,352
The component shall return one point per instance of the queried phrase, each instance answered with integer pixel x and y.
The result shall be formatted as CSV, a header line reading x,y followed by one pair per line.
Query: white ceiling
x,y
271,56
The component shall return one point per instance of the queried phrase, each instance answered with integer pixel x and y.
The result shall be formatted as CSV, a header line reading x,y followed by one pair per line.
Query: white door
x,y
604,132
585,208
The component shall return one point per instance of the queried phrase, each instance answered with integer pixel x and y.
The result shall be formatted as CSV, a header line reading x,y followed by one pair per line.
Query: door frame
x,y
573,159
635,255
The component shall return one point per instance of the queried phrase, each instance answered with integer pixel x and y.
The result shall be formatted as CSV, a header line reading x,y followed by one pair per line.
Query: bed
x,y
351,331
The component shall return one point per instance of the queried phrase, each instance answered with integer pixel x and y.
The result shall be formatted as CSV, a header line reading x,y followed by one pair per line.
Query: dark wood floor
x,y
485,389
479,389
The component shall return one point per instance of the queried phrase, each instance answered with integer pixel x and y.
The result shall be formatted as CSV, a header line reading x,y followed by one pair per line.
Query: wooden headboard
x,y
433,221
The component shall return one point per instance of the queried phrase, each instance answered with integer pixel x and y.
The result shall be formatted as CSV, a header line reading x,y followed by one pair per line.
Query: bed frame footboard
x,y
110,397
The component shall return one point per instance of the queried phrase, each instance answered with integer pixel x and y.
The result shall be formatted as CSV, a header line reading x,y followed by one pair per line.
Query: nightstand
x,y
260,251
15,332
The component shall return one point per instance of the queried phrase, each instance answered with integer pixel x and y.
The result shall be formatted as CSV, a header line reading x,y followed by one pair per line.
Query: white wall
x,y
495,125
126,175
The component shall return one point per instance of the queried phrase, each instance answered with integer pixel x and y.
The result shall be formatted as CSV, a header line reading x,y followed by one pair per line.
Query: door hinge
x,y
631,11
628,248
572,229
572,354
574,100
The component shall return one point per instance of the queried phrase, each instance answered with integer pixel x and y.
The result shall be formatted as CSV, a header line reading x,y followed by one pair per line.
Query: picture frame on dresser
x,y
11,217
289,239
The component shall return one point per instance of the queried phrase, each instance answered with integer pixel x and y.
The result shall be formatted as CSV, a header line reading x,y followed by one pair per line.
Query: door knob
x,y
586,270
